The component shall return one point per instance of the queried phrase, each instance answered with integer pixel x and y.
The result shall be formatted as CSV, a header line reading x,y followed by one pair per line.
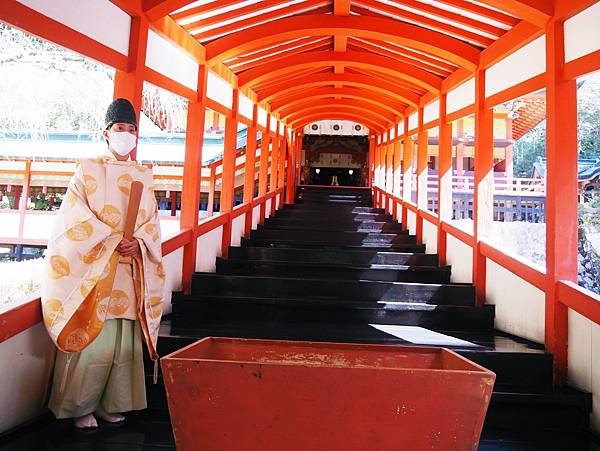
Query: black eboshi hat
x,y
120,110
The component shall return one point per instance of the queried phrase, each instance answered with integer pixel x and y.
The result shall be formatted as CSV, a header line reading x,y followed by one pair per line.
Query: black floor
x,y
331,268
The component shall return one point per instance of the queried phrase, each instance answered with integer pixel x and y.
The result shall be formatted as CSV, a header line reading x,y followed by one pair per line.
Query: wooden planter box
x,y
237,394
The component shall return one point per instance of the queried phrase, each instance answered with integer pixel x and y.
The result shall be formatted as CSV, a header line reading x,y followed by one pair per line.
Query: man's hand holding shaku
x,y
128,248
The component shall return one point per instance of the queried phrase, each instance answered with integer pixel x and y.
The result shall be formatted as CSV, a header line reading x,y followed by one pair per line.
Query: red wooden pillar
x,y
173,203
397,174
263,175
249,169
389,166
274,160
291,168
129,84
444,178
371,168
422,173
281,170
561,194
192,172
407,165
484,182
228,180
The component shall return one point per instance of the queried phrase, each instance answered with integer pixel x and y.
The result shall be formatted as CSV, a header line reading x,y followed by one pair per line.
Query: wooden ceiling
x,y
365,59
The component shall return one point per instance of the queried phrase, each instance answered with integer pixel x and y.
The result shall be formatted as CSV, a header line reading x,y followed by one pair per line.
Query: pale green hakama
x,y
108,373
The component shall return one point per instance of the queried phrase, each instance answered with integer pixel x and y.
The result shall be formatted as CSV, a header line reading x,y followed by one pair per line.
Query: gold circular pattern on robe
x,y
124,183
87,286
77,340
141,216
91,185
59,267
53,310
110,215
70,198
80,231
94,254
105,271
155,307
141,168
160,271
102,309
119,301
151,230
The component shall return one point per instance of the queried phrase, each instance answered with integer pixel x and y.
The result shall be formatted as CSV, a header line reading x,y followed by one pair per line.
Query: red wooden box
x,y
235,394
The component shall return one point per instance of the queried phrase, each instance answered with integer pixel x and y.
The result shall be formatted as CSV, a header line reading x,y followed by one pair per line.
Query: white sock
x,y
108,417
85,422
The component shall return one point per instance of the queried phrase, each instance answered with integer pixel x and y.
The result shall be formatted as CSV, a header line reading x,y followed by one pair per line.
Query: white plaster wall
x,y
169,225
390,205
89,17
255,217
430,237
413,121
582,34
460,256
208,249
219,90
411,218
37,226
245,106
431,112
399,213
268,208
237,230
172,264
520,307
461,97
525,63
26,362
169,60
261,118
584,360
10,224
277,201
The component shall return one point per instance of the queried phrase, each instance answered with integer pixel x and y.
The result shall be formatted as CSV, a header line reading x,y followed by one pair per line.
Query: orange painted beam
x,y
444,177
377,8
192,168
537,12
561,194
317,46
483,197
203,8
512,40
419,77
366,112
156,9
435,43
172,31
347,79
264,159
260,55
380,103
246,24
583,301
348,115
498,16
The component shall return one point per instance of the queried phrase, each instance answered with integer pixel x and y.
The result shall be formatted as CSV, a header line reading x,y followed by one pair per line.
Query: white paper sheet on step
x,y
421,336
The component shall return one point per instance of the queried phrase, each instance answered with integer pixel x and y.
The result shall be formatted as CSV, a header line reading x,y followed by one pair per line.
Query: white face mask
x,y
122,142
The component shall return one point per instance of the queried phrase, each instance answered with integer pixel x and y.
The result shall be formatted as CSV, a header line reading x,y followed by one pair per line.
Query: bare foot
x,y
109,417
86,422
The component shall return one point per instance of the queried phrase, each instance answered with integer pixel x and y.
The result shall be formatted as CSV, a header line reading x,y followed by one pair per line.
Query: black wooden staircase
x,y
332,268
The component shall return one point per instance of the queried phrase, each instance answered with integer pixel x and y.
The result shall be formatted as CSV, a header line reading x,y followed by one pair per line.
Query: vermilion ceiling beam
x,y
362,81
413,74
498,16
383,122
242,26
338,116
432,42
322,45
283,46
537,12
341,7
156,9
455,17
203,9
309,102
374,73
441,27
416,55
233,14
360,46
379,101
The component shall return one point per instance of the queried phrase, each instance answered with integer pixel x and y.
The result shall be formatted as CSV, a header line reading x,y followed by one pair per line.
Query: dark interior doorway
x,y
335,176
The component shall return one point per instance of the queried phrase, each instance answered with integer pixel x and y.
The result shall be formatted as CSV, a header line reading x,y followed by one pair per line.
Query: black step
x,y
358,257
387,273
332,224
332,237
319,245
210,284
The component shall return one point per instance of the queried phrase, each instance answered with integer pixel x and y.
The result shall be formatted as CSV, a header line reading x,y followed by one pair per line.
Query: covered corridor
x,y
435,89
